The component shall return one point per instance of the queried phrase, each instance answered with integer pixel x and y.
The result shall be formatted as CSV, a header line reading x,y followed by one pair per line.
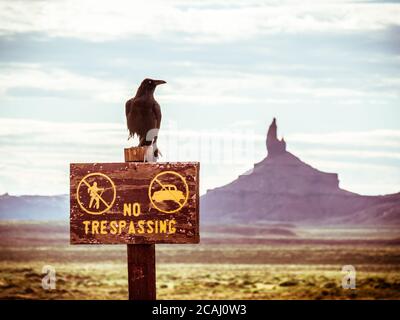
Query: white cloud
x,y
374,138
344,164
35,155
201,21
238,88
364,154
57,80
201,87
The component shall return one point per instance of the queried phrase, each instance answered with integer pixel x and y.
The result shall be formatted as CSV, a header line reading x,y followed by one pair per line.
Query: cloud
x,y
35,155
18,79
207,87
373,138
199,21
364,154
201,85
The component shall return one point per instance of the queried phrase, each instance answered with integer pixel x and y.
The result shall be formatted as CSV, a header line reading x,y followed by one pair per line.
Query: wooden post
x,y
141,257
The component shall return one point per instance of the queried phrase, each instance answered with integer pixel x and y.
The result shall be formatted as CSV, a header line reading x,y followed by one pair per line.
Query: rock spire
x,y
274,145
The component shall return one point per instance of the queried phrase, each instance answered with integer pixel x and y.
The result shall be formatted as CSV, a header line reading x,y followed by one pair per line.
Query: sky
x,y
327,70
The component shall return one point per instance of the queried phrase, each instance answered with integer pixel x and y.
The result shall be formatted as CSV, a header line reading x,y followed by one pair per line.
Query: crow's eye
x,y
150,81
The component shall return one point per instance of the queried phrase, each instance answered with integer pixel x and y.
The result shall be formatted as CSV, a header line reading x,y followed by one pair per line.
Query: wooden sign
x,y
134,203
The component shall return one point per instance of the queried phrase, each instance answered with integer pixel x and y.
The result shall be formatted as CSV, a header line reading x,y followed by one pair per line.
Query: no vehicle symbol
x,y
168,192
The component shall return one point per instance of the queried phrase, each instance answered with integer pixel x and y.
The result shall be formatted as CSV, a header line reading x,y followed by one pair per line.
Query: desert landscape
x,y
284,230
262,136
236,262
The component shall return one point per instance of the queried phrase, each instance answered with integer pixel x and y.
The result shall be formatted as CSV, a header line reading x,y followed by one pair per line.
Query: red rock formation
x,y
281,187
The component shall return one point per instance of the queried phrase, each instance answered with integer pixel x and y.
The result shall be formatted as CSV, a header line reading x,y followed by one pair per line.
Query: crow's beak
x,y
157,82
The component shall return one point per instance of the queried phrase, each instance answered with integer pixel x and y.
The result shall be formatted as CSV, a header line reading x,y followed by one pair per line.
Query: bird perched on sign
x,y
143,114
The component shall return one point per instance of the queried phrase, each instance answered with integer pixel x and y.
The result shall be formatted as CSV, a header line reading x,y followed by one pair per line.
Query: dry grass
x,y
297,267
198,281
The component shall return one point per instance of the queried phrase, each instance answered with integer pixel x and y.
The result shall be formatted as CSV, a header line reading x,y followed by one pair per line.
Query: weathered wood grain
x,y
135,154
142,271
132,180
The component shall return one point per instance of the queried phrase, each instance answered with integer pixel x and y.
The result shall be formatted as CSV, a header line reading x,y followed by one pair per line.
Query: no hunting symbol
x,y
101,191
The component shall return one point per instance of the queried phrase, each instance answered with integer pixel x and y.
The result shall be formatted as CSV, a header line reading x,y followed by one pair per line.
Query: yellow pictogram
x,y
167,191
95,193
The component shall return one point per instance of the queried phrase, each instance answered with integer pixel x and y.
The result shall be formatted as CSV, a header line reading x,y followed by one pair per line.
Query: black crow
x,y
143,114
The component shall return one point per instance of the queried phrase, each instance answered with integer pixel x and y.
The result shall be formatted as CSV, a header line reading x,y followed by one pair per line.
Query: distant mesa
x,y
34,207
282,188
